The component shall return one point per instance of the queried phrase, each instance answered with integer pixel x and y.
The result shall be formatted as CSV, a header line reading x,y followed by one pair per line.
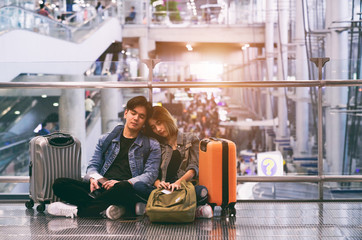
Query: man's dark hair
x,y
140,101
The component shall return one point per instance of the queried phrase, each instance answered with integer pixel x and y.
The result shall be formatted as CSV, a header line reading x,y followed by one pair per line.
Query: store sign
x,y
270,164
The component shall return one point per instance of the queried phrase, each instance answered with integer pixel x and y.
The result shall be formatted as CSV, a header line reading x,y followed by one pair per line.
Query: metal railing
x,y
320,178
242,84
181,14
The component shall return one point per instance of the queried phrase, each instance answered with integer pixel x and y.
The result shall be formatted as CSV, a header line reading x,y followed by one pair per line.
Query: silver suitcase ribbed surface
x,y
52,156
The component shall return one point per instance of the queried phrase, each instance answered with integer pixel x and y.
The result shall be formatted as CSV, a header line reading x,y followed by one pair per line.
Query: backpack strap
x,y
112,135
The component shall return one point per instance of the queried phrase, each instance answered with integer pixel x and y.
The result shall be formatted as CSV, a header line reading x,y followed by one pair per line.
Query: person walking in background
x,y
45,128
49,125
89,105
107,188
180,158
42,11
99,7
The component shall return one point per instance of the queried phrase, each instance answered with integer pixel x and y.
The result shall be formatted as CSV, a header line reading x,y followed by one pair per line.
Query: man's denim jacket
x,y
188,146
146,173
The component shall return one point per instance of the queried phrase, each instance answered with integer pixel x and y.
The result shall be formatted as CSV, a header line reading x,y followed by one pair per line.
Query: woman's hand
x,y
174,186
109,184
163,184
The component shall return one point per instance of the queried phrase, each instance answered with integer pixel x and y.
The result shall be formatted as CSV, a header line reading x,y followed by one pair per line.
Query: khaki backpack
x,y
177,206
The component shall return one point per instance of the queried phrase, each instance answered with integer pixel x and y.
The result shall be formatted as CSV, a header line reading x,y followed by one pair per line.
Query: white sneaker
x,y
204,211
114,212
62,209
140,208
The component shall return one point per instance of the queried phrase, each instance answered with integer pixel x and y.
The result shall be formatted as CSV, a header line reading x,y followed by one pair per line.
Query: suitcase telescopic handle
x,y
203,144
60,139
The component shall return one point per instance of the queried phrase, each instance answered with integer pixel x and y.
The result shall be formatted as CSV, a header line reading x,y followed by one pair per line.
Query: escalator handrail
x,y
99,14
74,15
9,107
14,144
69,29
43,18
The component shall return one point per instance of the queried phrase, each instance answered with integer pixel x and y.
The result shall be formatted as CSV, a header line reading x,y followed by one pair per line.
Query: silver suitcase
x,y
51,156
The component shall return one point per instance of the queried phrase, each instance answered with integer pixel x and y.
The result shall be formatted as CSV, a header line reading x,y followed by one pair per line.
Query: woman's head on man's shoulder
x,y
161,124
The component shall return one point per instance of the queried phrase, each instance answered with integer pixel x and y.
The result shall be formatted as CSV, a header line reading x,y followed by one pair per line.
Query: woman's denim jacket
x,y
188,145
146,173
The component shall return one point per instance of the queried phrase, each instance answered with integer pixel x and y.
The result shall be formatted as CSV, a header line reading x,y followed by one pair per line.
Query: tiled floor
x,y
282,220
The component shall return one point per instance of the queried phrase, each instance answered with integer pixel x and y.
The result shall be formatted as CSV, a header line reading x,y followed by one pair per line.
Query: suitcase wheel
x,y
232,212
229,210
41,207
29,204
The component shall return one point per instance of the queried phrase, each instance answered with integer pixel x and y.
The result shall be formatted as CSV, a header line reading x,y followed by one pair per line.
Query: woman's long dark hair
x,y
161,114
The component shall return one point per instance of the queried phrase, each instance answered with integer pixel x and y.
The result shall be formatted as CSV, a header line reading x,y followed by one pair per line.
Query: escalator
x,y
10,109
18,119
14,154
21,115
17,129
31,43
14,159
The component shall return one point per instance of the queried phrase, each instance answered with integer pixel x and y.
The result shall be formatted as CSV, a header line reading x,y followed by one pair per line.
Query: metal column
x,y
302,109
283,12
269,55
336,97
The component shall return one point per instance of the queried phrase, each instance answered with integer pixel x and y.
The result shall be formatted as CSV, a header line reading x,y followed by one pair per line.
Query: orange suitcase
x,y
217,171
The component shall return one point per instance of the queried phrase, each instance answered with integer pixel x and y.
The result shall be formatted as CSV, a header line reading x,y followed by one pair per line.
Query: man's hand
x,y
93,184
109,184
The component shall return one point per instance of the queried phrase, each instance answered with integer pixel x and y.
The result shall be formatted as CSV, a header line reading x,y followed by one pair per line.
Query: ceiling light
x,y
245,46
156,3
